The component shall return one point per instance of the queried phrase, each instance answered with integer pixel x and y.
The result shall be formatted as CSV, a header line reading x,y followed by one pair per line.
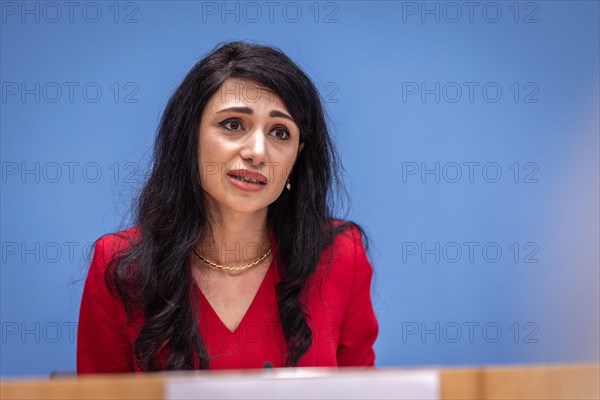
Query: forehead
x,y
243,92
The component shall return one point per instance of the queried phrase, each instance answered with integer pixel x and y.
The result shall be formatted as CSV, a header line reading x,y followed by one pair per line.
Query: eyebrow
x,y
248,110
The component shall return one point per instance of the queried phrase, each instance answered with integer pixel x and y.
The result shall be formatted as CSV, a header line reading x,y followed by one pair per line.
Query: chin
x,y
247,210
245,205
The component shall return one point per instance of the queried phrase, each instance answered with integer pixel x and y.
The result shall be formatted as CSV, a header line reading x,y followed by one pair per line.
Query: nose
x,y
254,150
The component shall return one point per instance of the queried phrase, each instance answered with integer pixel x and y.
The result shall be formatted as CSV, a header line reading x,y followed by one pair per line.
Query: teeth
x,y
246,179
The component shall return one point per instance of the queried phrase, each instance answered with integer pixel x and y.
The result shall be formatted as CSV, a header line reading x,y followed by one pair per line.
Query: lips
x,y
245,175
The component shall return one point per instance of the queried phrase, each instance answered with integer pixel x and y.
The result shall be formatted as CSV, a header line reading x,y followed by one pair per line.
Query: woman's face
x,y
248,143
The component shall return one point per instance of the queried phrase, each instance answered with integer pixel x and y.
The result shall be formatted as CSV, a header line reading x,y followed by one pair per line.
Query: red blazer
x,y
339,306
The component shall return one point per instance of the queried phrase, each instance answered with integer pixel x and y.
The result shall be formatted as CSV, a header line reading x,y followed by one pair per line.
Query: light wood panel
x,y
143,387
522,382
566,382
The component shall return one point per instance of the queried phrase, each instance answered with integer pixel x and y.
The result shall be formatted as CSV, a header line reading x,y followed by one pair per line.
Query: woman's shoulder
x,y
347,235
107,246
347,251
344,269
117,241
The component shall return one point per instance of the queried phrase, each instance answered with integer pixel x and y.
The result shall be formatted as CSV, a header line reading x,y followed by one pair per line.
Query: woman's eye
x,y
281,133
232,124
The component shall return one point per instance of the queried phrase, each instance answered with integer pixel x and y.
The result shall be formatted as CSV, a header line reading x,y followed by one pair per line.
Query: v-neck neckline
x,y
255,299
268,279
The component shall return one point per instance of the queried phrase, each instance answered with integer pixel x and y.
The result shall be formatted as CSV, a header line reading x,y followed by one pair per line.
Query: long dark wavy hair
x,y
152,276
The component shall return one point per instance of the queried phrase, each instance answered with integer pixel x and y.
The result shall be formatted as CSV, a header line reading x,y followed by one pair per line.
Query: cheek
x,y
285,165
208,158
211,148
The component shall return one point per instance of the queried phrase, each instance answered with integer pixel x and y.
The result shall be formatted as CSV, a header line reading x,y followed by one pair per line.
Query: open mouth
x,y
247,179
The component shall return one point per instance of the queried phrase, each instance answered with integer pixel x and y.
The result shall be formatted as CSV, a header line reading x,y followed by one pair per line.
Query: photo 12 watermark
x,y
453,12
469,332
489,92
251,92
40,252
254,12
69,12
471,252
69,92
128,172
525,172
71,172
52,332
38,332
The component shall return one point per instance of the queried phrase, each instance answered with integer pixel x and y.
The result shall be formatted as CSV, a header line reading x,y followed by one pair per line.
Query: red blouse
x,y
339,306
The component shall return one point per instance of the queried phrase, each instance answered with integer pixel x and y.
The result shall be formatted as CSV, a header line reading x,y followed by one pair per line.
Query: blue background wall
x,y
469,137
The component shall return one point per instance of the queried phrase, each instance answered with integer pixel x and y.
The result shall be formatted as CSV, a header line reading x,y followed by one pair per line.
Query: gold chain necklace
x,y
237,268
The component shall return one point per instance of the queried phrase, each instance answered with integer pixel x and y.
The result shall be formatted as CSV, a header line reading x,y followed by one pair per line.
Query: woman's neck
x,y
235,238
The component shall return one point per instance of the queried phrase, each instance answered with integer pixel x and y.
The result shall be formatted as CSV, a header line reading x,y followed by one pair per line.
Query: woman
x,y
235,260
